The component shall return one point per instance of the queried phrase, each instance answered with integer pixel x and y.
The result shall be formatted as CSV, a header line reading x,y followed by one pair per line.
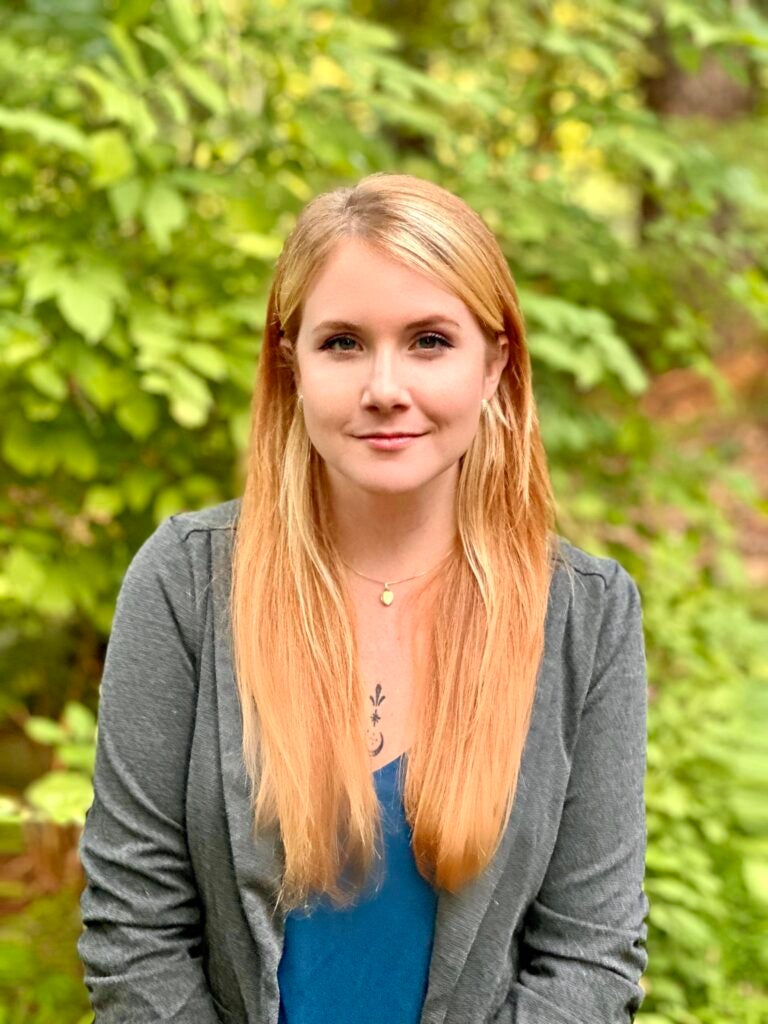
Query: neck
x,y
391,536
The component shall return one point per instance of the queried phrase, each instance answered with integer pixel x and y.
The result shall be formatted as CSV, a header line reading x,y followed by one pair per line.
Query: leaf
x,y
158,42
164,211
128,51
25,574
205,89
78,756
44,280
190,398
61,797
86,308
119,104
102,502
175,101
756,879
185,21
78,455
125,199
111,157
12,812
47,379
206,359
44,128
138,486
138,415
263,247
78,720
44,730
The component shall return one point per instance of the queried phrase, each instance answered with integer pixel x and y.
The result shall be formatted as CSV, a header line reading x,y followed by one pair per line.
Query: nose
x,y
385,387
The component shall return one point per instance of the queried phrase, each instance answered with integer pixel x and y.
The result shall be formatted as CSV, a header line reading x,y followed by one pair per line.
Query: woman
x,y
372,738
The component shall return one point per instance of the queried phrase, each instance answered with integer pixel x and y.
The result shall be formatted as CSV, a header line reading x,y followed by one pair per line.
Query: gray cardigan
x,y
178,903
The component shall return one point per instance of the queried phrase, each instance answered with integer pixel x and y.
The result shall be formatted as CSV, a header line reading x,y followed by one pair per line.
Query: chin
x,y
396,479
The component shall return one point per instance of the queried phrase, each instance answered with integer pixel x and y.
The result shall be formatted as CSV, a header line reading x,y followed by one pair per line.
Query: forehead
x,y
358,284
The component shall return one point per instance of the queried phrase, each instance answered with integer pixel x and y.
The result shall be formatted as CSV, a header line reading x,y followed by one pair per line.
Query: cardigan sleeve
x,y
582,947
141,946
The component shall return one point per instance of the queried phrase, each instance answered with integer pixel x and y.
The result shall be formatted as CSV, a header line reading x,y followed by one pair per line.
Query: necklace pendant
x,y
386,596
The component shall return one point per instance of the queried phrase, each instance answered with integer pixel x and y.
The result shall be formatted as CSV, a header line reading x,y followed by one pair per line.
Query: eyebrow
x,y
348,325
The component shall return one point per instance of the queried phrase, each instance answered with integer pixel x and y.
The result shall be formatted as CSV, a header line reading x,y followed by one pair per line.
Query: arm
x,y
141,946
581,951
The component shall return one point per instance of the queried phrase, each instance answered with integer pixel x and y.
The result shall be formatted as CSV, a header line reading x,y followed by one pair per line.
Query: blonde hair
x,y
481,630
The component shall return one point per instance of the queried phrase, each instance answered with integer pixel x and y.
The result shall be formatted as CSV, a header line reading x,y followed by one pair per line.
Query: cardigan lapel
x,y
258,859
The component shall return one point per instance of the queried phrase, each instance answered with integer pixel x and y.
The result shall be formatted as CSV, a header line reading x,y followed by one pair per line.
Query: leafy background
x,y
153,156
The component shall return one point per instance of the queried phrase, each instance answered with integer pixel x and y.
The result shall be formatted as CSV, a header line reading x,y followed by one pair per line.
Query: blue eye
x,y
442,342
437,337
332,341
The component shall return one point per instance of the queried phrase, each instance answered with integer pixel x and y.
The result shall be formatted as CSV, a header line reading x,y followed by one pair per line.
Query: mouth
x,y
389,442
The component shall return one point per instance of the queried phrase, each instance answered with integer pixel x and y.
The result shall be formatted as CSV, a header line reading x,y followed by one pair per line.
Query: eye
x,y
431,336
443,342
328,345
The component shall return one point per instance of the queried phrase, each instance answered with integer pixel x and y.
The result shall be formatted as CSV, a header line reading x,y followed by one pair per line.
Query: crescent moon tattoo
x,y
374,734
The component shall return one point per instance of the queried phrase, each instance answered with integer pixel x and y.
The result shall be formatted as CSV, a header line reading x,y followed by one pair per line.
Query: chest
x,y
389,679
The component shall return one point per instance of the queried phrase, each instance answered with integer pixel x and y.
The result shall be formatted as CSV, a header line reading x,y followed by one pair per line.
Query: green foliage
x,y
153,157
63,794
40,979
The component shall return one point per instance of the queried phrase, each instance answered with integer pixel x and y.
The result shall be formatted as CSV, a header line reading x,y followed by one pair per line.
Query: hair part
x,y
481,620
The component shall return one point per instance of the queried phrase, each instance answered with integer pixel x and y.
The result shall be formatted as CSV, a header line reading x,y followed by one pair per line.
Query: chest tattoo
x,y
375,734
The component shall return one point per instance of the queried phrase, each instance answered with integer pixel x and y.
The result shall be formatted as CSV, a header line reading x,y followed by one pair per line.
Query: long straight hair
x,y
480,635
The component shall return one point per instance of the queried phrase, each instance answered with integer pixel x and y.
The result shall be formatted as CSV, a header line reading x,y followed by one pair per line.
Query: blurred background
x,y
153,156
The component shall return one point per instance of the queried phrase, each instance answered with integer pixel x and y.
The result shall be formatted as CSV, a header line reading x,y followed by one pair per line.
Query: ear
x,y
288,353
495,365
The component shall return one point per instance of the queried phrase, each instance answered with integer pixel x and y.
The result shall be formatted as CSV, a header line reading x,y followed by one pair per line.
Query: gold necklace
x,y
386,596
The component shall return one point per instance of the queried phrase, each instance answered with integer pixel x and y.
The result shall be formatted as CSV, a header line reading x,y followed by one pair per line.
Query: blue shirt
x,y
368,962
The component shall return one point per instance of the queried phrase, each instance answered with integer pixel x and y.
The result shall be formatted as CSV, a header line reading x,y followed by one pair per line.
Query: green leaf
x,y
263,247
77,756
24,576
61,797
157,41
78,455
756,879
86,308
175,101
44,730
125,199
138,415
164,212
119,104
138,485
44,128
12,812
111,157
79,721
205,89
44,281
102,502
206,359
190,398
128,51
185,21
47,379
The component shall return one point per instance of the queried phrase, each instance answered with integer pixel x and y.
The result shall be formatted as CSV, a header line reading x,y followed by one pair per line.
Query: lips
x,y
389,436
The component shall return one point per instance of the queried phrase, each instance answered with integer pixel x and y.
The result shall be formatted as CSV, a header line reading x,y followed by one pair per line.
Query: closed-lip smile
x,y
399,433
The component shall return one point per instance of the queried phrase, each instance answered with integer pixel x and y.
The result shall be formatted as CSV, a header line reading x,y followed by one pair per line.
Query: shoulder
x,y
594,577
595,608
222,516
173,566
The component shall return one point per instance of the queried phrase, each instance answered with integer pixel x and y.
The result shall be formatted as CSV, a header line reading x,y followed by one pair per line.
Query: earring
x,y
301,398
484,406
